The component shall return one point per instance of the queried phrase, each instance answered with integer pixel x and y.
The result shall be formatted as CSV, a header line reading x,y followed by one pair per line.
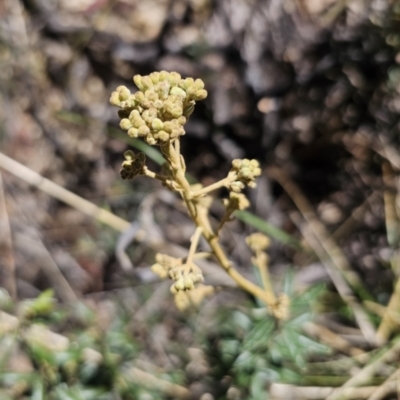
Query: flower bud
x,y
200,95
174,78
138,81
157,124
143,130
133,132
177,91
125,124
155,77
163,136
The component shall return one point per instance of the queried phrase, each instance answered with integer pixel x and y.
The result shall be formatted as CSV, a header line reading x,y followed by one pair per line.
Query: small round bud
x,y
138,81
198,84
155,77
163,75
180,284
157,124
125,124
163,136
177,91
200,95
188,282
237,186
150,140
133,132
146,83
174,78
143,130
139,97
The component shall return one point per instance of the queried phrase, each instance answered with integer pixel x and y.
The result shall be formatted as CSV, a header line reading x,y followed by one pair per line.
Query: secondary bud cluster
x,y
158,111
185,276
133,165
236,201
258,242
185,280
246,172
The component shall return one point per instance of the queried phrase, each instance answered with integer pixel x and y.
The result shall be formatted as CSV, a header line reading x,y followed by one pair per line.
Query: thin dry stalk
x,y
281,391
387,387
329,253
330,247
332,339
152,382
64,195
389,197
7,262
340,283
388,323
389,356
355,218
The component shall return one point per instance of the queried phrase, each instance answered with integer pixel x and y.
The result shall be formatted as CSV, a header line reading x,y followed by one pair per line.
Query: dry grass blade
x,y
49,187
7,262
389,356
344,278
152,237
387,387
388,324
340,283
331,338
283,391
152,382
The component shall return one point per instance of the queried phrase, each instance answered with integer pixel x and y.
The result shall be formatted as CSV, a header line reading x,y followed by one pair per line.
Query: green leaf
x,y
258,386
270,230
38,390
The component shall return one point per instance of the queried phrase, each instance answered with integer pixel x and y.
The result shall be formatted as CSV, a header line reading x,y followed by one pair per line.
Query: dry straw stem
x,y
388,356
332,339
391,385
280,391
338,268
388,323
340,283
111,220
58,192
7,273
329,245
150,381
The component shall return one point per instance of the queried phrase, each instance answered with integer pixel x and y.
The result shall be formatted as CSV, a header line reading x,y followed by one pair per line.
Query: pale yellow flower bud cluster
x,y
185,276
258,242
246,172
236,201
158,111
133,165
192,298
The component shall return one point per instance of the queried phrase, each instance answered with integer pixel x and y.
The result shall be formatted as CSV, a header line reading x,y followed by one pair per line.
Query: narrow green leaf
x,y
270,230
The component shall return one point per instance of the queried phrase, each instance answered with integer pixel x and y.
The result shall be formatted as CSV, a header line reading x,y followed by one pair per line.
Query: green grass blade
x,y
270,230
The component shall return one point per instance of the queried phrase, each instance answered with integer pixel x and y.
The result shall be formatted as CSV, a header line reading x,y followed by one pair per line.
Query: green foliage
x,y
257,350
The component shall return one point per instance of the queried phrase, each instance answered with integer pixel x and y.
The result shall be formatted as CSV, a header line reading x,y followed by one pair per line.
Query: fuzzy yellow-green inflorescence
x,y
258,242
160,108
184,275
245,172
